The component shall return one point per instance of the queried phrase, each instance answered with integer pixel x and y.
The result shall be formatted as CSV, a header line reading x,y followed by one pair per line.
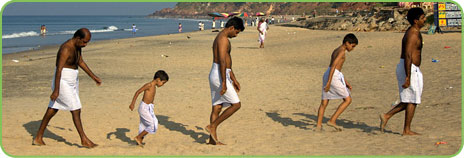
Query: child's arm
x,y
348,85
335,63
143,88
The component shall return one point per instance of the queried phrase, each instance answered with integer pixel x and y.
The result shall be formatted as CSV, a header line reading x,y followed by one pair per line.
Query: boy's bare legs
x,y
76,115
226,114
215,111
47,117
261,45
320,114
139,138
410,109
340,109
385,117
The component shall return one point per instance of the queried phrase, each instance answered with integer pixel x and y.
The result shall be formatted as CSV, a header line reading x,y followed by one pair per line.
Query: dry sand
x,y
281,89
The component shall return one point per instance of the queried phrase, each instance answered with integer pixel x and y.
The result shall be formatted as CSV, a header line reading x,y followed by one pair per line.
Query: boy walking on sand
x,y
334,84
148,120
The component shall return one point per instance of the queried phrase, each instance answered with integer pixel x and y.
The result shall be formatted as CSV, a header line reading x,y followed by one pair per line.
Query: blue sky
x,y
85,8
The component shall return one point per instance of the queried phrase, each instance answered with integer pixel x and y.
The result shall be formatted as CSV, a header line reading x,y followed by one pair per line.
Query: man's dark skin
x,y
221,56
69,56
411,50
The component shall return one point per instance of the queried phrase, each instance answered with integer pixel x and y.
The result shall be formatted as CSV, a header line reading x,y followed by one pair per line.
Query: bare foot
x,y
318,129
212,131
212,142
139,141
410,133
383,122
38,142
338,128
88,144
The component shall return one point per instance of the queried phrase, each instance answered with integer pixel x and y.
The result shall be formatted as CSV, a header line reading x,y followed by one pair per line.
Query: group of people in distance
x,y
225,87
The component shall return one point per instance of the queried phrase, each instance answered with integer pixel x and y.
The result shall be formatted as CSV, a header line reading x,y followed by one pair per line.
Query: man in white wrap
x,y
408,73
224,86
148,121
65,85
334,85
262,29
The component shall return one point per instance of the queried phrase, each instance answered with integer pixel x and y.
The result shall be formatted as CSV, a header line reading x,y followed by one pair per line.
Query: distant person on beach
x,y
134,28
223,84
213,24
199,25
408,73
257,21
334,85
65,85
43,30
180,27
262,29
148,121
222,24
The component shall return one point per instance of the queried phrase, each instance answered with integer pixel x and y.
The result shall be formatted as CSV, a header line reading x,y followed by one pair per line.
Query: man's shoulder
x,y
66,47
222,37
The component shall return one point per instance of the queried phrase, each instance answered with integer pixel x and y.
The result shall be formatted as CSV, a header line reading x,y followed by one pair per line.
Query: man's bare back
x,y
412,41
222,42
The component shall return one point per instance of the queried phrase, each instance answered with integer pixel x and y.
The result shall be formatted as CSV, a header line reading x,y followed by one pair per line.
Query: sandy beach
x,y
281,91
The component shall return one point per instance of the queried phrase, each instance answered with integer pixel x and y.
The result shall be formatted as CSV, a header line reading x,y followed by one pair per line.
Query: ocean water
x,y
21,33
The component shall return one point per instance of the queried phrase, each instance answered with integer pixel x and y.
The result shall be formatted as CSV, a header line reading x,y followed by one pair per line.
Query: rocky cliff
x,y
201,9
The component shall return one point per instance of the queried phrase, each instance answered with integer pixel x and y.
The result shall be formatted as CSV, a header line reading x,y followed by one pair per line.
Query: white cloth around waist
x,y
230,97
68,98
338,89
148,120
413,93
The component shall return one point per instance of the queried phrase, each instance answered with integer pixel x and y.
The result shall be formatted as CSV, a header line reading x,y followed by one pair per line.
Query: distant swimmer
x,y
134,28
43,30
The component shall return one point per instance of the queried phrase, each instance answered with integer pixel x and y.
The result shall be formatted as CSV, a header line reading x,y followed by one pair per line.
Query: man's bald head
x,y
82,37
82,33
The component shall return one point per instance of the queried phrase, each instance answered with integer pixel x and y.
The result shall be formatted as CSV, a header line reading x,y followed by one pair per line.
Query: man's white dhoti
x,y
413,93
338,89
148,120
262,37
230,97
68,99
262,28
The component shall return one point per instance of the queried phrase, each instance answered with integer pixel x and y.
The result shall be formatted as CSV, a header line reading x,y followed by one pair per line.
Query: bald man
x,y
65,85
